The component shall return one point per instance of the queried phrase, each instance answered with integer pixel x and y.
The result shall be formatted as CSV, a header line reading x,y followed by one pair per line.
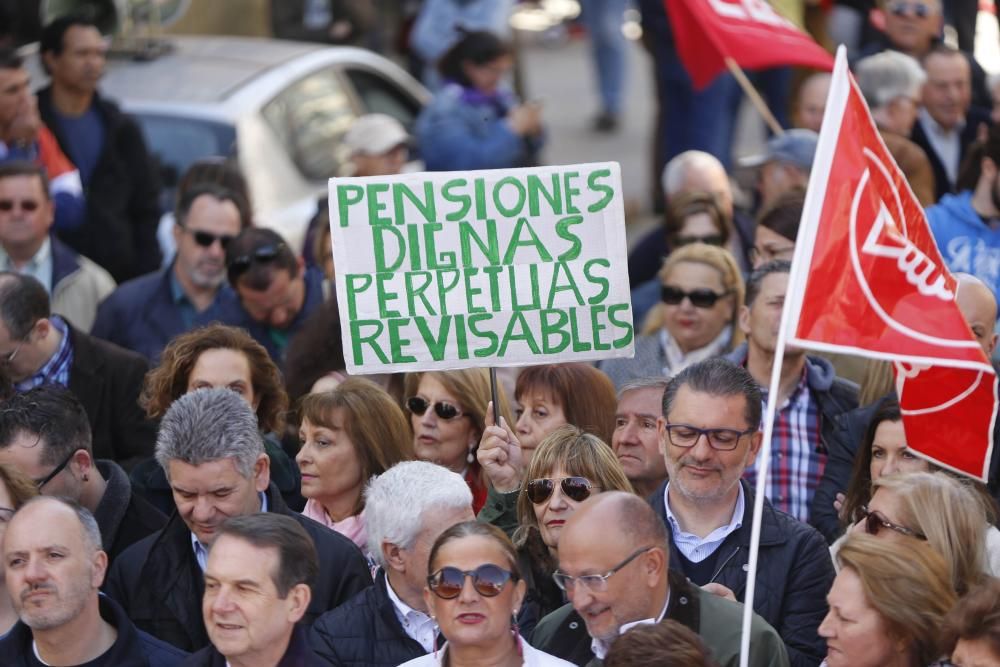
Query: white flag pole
x,y
803,252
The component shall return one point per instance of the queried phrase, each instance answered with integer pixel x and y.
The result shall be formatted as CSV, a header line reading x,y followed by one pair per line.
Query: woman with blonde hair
x,y
447,412
348,435
700,295
887,604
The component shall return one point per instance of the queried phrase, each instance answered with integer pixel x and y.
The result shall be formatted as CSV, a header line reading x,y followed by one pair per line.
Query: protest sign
x,y
504,267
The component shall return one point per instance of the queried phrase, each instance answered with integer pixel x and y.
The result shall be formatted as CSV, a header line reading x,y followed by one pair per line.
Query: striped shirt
x,y
797,454
56,369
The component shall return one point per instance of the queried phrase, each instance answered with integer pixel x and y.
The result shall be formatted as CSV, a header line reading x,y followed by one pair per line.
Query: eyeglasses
x,y
444,410
764,255
8,359
595,583
711,239
722,439
700,298
918,9
574,488
488,580
27,205
874,522
58,469
206,239
262,255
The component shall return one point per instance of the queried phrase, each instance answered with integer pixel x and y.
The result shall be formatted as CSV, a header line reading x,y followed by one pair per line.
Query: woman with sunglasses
x,y
447,416
348,435
934,508
701,288
473,592
15,490
887,605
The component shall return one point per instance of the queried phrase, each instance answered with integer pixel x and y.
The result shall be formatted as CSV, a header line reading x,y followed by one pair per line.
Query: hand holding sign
x,y
500,454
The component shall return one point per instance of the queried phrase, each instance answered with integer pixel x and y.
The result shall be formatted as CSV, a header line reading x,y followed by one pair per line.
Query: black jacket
x,y
364,632
973,119
123,517
132,648
542,596
794,574
108,379
123,208
160,584
298,654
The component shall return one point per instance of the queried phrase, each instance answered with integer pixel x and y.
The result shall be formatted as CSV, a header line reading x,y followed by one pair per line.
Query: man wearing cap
x,y
379,145
784,165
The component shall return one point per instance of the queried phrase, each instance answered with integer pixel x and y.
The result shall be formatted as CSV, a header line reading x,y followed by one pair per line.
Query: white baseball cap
x,y
375,134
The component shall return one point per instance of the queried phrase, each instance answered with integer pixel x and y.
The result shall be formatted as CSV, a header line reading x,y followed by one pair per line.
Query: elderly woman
x,y
887,605
972,627
15,490
474,590
701,289
448,416
348,435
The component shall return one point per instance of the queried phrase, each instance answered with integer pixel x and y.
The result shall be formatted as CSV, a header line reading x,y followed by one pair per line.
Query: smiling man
x,y
256,591
215,463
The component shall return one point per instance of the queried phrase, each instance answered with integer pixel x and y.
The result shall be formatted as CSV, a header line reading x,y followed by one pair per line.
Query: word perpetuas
x,y
471,268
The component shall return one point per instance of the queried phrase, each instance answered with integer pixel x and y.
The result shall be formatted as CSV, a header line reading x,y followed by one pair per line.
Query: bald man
x,y
979,307
614,567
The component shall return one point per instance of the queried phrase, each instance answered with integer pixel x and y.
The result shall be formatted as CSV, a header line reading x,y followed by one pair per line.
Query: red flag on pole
x,y
869,280
750,32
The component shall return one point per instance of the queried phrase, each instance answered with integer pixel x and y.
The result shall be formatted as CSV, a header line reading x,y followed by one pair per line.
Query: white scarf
x,y
678,361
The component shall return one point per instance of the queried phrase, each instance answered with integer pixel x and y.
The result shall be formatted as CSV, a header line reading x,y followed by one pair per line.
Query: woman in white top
x,y
473,592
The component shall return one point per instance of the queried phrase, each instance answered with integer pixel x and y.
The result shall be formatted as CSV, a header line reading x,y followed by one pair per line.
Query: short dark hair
x,y
259,275
186,199
718,377
10,59
297,559
976,617
54,33
54,415
757,277
23,301
16,168
476,46
665,643
784,214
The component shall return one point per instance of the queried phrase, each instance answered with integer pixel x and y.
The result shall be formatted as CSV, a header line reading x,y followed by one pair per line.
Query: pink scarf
x,y
353,527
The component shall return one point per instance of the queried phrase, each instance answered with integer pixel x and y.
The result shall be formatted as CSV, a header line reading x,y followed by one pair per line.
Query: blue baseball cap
x,y
796,147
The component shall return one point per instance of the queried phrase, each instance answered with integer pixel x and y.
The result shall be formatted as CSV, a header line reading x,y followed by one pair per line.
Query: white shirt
x,y
531,657
201,551
946,143
38,267
697,549
600,648
418,626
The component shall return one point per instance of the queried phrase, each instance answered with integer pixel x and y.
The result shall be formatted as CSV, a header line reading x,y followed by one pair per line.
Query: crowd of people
x,y
190,476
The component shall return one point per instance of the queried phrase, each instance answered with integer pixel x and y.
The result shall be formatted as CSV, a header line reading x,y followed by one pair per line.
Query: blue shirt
x,y
697,549
185,308
85,138
56,369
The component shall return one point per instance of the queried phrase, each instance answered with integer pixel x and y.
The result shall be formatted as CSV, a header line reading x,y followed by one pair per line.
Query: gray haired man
x,y
214,459
406,509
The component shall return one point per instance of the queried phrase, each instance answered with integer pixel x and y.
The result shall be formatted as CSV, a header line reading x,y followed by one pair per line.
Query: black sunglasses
x,y
58,469
263,255
206,239
488,580
27,205
442,409
711,239
574,488
920,10
700,298
874,522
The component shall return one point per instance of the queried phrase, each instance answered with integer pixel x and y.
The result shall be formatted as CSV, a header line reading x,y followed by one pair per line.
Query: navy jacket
x,y
364,632
794,574
298,654
132,648
141,315
158,582
227,309
975,117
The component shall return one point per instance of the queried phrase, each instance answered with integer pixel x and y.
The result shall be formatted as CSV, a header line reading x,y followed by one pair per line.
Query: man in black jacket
x,y
709,434
406,508
53,568
108,148
214,458
37,347
45,434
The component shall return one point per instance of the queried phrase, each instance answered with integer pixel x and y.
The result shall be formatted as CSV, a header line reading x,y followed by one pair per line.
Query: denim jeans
x,y
603,19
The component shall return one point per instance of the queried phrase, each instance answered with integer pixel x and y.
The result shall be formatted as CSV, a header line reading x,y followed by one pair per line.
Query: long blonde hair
x,y
715,257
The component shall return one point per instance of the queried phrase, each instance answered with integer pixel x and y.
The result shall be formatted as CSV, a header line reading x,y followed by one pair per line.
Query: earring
x,y
471,458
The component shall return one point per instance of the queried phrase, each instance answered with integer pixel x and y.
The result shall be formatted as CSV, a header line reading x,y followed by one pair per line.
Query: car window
x,y
310,118
380,95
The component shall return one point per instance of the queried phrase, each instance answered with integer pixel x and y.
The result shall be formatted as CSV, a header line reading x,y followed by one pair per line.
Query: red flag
x,y
707,32
868,280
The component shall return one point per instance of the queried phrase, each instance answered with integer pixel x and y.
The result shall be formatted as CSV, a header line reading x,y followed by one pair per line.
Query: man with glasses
x,y
615,568
37,347
271,293
709,434
44,433
145,313
27,212
811,398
